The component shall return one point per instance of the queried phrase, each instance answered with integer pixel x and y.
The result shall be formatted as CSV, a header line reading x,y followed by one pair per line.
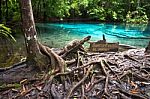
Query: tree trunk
x,y
0,11
44,12
33,51
138,3
37,54
27,69
38,9
6,16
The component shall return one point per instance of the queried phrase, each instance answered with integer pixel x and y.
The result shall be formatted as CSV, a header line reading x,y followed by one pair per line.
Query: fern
x,y
6,32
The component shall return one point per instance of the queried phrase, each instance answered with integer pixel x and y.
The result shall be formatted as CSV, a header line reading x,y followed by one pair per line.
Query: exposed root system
x,y
110,75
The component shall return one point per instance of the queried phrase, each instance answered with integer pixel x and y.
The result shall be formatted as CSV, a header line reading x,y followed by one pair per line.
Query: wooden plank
x,y
103,47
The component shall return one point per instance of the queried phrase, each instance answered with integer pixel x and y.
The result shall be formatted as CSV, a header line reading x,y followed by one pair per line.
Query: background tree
x,y
100,10
0,11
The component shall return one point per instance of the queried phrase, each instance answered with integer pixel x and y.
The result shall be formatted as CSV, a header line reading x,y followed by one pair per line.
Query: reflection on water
x,y
59,34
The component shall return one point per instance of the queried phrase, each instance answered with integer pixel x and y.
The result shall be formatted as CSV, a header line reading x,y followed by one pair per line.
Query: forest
x,y
100,10
103,71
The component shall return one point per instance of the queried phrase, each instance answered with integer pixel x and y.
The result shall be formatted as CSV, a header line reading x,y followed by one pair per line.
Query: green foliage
x,y
16,17
138,16
10,11
6,32
98,13
103,10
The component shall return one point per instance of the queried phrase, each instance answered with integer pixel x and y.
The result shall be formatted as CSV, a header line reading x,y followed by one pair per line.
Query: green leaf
x,y
6,32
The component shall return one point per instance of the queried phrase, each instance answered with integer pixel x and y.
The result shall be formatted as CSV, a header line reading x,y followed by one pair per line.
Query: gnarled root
x,y
57,63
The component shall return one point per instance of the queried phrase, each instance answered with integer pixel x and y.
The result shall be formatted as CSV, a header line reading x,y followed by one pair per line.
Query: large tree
x,y
35,50
29,30
39,57
36,53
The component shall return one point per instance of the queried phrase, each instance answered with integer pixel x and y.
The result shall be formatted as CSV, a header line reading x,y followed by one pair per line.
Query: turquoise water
x,y
59,34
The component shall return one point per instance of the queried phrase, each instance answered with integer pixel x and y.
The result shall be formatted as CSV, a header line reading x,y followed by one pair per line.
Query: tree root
x,y
15,65
79,83
133,96
93,84
89,75
57,63
133,59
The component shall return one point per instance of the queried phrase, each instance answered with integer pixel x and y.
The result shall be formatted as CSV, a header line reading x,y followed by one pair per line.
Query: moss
x,y
6,61
9,86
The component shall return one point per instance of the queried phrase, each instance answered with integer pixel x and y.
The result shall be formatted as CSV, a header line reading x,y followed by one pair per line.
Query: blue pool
x,y
59,34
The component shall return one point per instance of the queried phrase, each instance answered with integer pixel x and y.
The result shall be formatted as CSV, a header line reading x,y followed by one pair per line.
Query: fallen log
x,y
75,47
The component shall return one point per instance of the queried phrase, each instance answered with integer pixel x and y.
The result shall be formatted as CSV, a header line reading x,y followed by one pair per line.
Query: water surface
x,y
59,34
